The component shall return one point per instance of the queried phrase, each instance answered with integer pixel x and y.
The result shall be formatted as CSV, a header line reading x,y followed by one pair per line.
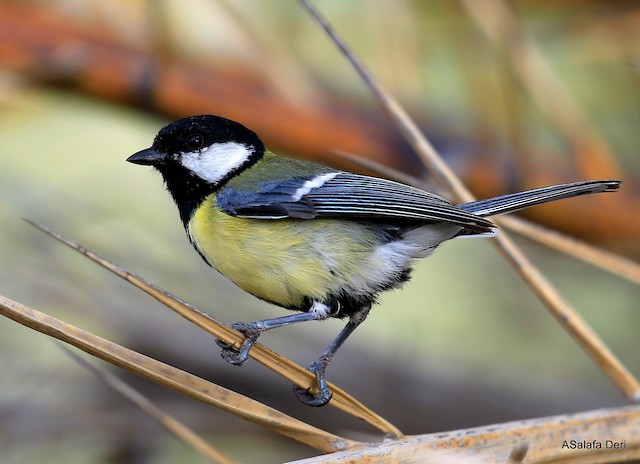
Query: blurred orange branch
x,y
41,44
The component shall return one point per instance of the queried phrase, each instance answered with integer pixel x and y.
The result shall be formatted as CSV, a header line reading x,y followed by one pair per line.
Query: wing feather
x,y
345,195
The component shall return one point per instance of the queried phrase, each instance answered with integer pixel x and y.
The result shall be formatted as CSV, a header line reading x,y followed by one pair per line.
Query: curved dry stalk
x,y
390,106
180,430
175,379
277,363
560,309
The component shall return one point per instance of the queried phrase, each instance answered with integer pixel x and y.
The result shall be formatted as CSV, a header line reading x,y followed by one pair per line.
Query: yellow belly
x,y
286,260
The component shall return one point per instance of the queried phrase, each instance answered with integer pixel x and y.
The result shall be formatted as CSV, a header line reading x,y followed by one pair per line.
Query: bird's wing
x,y
344,195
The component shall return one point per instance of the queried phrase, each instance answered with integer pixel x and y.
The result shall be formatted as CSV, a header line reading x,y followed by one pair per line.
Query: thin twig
x,y
180,430
610,262
382,169
561,310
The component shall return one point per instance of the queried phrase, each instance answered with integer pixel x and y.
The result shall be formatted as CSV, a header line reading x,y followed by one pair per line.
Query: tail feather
x,y
517,201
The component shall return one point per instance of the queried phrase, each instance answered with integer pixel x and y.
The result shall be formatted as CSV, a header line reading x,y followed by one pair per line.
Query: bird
x,y
306,237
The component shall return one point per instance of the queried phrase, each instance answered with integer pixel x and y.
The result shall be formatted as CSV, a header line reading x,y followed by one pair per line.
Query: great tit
x,y
307,237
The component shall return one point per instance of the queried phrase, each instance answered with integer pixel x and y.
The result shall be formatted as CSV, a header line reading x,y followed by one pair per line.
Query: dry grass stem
x,y
568,318
603,259
382,170
390,106
175,379
180,430
279,364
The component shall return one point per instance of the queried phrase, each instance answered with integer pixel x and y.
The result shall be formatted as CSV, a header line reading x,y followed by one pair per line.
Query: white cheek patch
x,y
311,184
217,161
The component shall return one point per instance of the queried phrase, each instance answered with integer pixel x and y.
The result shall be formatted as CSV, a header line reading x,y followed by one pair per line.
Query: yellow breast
x,y
282,261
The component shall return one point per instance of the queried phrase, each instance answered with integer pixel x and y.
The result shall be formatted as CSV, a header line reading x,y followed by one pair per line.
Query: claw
x,y
312,399
237,357
252,331
223,345
323,395
232,356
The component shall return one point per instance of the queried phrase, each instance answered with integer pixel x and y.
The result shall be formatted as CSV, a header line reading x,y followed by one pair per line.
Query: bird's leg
x,y
252,330
319,366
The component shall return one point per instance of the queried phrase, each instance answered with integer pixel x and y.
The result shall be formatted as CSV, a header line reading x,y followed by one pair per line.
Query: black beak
x,y
149,157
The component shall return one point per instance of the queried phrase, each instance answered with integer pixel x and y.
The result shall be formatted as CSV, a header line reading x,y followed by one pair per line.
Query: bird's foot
x,y
323,395
239,356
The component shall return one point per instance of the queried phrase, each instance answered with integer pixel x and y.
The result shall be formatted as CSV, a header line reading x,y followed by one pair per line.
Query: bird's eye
x,y
194,142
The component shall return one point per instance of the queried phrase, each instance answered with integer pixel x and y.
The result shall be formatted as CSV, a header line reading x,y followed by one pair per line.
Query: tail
x,y
517,201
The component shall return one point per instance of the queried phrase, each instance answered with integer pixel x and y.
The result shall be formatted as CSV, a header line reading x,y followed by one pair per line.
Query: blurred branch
x,y
46,47
284,73
559,308
501,26
180,430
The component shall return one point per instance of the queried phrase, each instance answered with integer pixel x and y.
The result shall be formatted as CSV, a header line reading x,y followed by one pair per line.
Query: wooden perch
x,y
587,437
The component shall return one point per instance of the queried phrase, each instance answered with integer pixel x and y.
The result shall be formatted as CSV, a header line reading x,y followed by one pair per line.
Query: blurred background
x,y
515,94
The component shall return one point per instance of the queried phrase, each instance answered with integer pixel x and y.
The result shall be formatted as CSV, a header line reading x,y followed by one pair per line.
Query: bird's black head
x,y
197,155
